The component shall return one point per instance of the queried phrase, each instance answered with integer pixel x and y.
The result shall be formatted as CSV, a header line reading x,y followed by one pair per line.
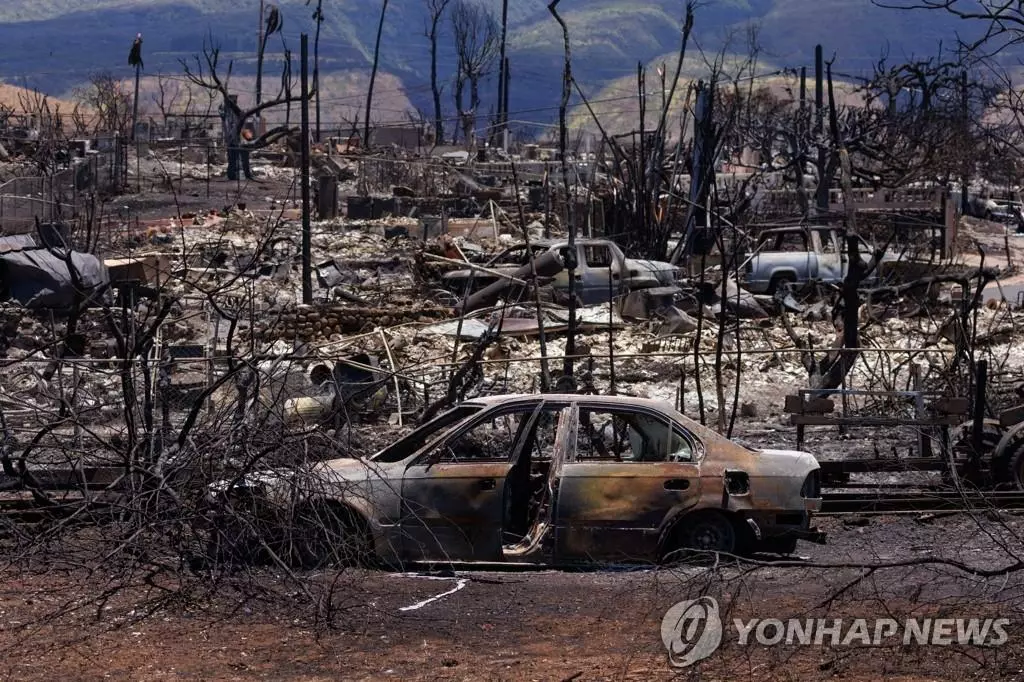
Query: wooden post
x,y
924,435
76,381
978,412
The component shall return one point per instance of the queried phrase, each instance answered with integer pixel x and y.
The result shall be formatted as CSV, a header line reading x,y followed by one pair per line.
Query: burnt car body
x,y
798,256
602,270
555,479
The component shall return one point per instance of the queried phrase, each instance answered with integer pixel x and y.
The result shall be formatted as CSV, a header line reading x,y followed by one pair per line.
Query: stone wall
x,y
332,321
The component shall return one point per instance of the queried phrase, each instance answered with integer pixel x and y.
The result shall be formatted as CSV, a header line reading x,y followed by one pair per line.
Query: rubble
x,y
382,286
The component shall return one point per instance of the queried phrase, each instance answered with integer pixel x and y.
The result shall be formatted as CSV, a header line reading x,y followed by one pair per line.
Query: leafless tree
x,y
111,102
1001,20
436,10
171,98
49,152
205,74
476,34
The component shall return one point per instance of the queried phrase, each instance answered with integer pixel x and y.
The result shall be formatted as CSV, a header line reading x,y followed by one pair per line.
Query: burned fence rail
x,y
890,502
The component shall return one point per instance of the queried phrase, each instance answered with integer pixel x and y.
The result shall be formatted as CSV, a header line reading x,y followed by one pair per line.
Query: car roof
x,y
547,243
611,400
491,400
800,228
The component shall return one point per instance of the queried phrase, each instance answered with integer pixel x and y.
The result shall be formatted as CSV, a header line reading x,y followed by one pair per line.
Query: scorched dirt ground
x,y
537,625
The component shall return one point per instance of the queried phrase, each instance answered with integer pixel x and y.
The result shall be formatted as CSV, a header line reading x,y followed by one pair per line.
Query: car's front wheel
x,y
329,535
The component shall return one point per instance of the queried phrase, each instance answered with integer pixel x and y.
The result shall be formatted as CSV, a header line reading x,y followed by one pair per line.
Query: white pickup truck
x,y
798,256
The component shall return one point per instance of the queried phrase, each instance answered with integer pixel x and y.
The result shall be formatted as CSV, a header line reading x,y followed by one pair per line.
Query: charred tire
x,y
697,536
778,282
1008,465
329,535
999,466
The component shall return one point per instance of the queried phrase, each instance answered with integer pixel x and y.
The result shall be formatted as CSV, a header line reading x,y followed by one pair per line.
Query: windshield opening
x,y
416,439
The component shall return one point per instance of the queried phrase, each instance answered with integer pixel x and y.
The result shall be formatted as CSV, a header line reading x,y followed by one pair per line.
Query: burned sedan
x,y
556,479
602,270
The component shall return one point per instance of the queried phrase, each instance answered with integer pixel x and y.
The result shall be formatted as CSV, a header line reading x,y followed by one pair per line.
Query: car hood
x,y
352,469
665,272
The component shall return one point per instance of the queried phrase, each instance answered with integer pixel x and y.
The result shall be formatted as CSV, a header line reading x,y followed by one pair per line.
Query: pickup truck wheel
x,y
780,281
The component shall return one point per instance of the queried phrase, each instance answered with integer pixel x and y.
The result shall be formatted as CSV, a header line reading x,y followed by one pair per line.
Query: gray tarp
x,y
37,278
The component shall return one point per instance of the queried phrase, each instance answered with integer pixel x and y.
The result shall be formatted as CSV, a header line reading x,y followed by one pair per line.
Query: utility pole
x,y
259,58
819,106
307,266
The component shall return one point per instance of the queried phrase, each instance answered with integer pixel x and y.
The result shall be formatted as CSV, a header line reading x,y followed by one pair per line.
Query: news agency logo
x,y
692,630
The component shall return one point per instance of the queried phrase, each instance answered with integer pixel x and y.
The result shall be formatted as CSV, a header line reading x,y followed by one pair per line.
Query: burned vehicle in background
x,y
602,270
797,256
550,479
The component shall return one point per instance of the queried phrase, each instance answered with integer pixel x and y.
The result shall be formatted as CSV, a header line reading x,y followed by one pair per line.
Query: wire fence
x,y
65,193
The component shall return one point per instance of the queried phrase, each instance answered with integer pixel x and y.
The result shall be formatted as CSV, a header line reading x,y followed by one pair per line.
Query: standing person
x,y
243,152
231,118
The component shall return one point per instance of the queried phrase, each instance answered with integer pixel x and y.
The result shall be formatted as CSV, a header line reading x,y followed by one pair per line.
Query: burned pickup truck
x,y
552,479
798,256
602,270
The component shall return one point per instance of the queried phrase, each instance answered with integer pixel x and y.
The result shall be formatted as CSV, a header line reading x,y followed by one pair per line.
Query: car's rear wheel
x,y
701,535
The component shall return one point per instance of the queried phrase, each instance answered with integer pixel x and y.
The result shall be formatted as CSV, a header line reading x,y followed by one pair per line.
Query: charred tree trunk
x,y
502,74
435,88
474,106
839,362
460,88
570,344
373,75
